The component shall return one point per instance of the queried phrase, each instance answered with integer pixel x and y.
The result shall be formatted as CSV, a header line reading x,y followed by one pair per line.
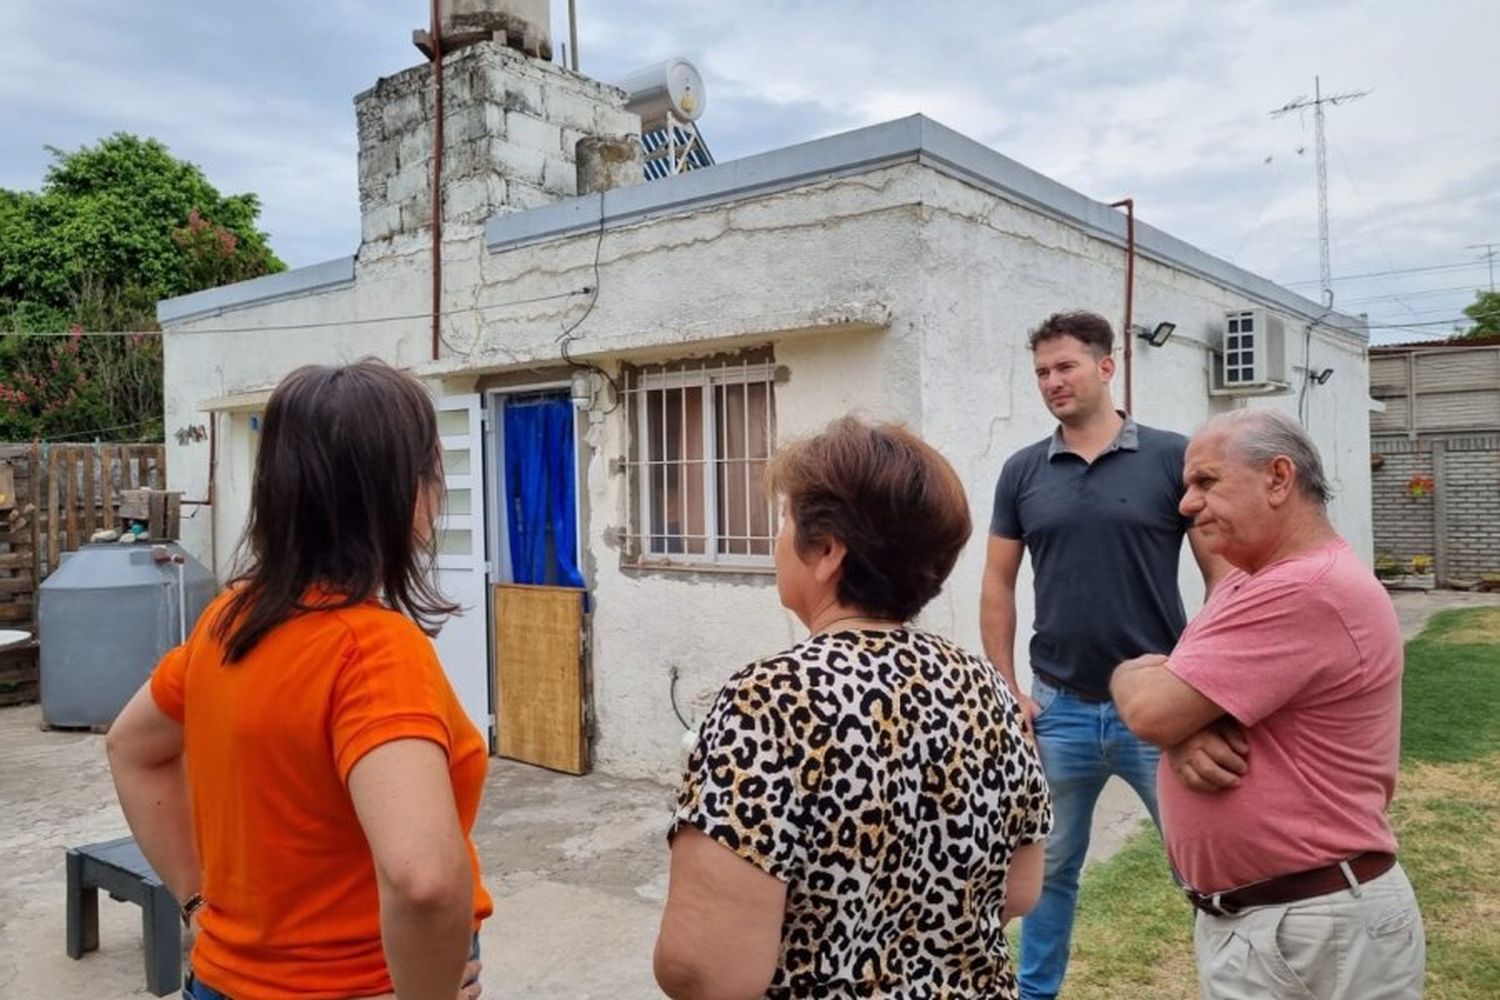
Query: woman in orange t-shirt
x,y
299,772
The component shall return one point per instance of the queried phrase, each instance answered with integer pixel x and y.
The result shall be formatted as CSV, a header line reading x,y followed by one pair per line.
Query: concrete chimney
x,y
511,129
606,162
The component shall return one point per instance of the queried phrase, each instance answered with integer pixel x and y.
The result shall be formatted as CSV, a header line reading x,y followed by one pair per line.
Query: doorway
x,y
539,597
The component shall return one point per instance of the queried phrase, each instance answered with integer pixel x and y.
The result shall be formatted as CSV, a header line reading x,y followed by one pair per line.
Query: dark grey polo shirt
x,y
1105,539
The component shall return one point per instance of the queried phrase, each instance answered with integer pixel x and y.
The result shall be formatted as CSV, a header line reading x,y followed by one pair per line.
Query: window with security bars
x,y
701,437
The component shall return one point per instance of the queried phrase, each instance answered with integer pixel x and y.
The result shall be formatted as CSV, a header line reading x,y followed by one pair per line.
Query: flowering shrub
x,y
1420,486
115,227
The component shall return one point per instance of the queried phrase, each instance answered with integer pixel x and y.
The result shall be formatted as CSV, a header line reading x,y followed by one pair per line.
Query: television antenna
x,y
1302,103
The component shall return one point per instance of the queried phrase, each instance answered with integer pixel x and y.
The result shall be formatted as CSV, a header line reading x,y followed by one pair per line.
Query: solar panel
x,y
658,154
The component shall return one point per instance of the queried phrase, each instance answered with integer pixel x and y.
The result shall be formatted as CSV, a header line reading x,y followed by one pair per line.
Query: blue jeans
x,y
196,989
1081,745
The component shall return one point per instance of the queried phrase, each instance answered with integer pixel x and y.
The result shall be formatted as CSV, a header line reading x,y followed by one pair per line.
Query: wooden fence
x,y
83,485
63,493
18,676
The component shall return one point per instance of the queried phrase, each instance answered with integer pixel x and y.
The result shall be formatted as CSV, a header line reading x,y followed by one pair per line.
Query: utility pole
x,y
1489,255
1325,269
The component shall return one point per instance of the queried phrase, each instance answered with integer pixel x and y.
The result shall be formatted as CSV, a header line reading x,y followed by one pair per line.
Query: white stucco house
x,y
686,325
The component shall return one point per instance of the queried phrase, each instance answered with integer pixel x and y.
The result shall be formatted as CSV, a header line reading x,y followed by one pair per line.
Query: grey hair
x,y
1257,437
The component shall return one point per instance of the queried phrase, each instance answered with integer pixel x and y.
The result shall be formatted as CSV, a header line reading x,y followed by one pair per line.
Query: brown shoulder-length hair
x,y
344,454
890,497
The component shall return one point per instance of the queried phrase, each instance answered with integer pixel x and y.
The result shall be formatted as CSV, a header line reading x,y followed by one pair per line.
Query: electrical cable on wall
x,y
674,673
569,334
1307,368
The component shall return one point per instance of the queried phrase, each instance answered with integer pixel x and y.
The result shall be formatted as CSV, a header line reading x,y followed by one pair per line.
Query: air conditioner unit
x,y
1254,351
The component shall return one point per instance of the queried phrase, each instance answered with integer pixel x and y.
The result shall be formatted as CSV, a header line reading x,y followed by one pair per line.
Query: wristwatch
x,y
194,902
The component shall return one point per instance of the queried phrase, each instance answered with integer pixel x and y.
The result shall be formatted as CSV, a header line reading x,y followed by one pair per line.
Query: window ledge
x,y
658,564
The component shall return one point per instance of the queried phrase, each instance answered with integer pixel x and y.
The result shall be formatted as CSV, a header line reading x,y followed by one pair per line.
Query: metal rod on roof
x,y
745,454
1129,205
573,33
663,459
437,180
768,445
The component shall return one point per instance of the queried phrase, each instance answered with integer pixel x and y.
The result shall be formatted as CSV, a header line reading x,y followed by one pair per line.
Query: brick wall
x,y
1403,523
1465,514
1473,485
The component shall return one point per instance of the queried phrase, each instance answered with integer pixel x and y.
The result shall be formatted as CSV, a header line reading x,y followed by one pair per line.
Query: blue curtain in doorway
x,y
540,491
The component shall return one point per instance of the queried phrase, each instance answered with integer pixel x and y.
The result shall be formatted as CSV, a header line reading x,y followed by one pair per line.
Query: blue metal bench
x,y
119,868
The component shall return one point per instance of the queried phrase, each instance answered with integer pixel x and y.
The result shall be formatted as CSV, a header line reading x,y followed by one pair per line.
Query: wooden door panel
x,y
540,682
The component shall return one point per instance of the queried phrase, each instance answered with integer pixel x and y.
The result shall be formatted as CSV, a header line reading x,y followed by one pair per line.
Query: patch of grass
x,y
1451,692
1134,931
1447,819
1470,626
1133,937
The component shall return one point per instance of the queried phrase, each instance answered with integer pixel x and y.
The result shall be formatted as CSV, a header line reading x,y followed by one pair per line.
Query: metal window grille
x,y
701,437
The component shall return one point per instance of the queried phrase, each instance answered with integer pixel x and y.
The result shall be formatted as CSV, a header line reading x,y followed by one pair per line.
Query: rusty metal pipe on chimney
x,y
437,179
573,34
1129,205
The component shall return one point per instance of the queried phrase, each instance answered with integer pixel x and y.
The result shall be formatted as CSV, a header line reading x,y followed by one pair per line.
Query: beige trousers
x,y
1354,944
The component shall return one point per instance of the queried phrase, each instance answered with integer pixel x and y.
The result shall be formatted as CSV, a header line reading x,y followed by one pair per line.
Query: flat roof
x,y
918,139
1447,344
257,291
914,139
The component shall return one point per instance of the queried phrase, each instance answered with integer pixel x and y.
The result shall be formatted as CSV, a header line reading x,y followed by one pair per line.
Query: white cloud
x,y
1165,100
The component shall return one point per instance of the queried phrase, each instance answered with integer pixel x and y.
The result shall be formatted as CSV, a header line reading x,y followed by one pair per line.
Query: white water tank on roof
x,y
673,87
527,23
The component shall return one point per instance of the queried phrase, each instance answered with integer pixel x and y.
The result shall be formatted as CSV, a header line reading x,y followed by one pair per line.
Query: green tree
x,y
1485,312
115,227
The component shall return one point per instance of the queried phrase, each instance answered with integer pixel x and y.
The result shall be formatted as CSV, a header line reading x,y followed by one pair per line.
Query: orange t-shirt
x,y
270,742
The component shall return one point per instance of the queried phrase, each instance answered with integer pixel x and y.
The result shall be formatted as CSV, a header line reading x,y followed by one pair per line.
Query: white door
x,y
463,645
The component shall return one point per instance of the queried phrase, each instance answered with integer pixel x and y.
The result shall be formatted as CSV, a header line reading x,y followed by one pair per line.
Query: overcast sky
x,y
1161,100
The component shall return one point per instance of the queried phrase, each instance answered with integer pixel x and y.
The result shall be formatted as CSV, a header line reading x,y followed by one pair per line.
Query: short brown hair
x,y
890,497
1090,329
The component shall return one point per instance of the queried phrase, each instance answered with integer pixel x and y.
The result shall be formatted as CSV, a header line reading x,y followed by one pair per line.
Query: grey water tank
x,y
105,618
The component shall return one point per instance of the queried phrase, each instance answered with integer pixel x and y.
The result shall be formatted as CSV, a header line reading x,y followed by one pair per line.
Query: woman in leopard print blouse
x,y
863,812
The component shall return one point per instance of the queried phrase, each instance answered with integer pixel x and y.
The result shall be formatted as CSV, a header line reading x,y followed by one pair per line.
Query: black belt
x,y
1294,887
1087,697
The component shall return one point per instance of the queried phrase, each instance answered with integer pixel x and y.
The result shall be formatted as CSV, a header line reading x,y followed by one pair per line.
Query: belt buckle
x,y
1213,903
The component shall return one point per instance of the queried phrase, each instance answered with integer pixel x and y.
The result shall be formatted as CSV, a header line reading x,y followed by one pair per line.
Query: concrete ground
x,y
577,865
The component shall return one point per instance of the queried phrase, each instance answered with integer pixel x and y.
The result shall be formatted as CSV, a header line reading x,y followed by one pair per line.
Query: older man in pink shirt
x,y
1280,714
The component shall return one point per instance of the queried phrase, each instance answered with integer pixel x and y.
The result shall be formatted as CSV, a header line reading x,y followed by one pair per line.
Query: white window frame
x,y
707,378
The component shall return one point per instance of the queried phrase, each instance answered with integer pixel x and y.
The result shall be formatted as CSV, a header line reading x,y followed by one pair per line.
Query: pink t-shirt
x,y
1306,655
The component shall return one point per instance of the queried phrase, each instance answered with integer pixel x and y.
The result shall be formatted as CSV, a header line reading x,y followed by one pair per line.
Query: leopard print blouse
x,y
884,776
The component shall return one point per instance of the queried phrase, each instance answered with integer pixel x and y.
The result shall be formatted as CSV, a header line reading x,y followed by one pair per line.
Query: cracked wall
x,y
900,293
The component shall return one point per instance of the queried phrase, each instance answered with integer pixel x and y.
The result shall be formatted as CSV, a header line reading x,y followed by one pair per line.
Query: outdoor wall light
x,y
1321,376
1157,336
581,389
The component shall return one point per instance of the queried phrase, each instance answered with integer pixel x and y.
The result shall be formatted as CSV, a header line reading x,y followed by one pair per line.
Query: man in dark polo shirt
x,y
1096,506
